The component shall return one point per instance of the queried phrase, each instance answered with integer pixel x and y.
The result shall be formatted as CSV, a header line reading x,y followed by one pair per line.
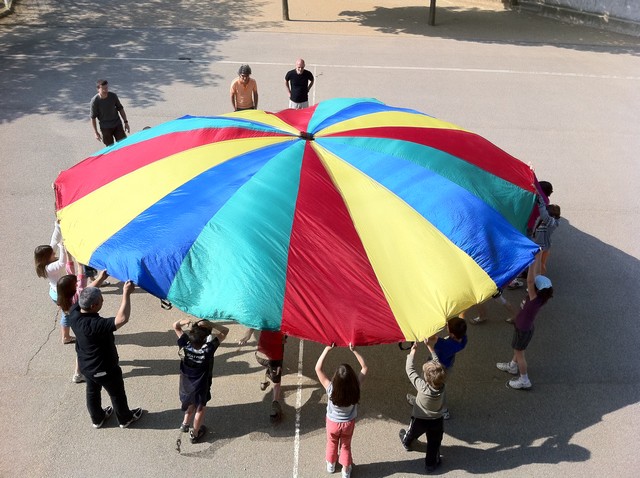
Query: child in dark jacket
x,y
196,371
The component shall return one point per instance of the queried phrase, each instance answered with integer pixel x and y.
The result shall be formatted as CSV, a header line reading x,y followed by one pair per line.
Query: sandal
x,y
515,284
70,340
478,320
195,437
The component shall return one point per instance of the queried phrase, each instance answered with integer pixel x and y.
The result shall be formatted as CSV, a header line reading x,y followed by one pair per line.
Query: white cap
x,y
543,282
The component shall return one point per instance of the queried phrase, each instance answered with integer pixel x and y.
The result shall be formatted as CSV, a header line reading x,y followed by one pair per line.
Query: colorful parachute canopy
x,y
347,222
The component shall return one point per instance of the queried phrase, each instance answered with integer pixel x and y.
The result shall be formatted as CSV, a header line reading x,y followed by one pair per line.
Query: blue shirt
x,y
446,350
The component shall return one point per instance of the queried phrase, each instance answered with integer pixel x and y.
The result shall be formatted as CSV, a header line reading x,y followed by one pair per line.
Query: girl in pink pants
x,y
343,390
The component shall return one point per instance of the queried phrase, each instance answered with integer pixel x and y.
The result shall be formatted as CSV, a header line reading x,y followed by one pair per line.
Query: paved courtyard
x,y
562,98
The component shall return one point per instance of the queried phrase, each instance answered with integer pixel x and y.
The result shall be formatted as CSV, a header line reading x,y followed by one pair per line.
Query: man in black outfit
x,y
98,356
298,82
107,109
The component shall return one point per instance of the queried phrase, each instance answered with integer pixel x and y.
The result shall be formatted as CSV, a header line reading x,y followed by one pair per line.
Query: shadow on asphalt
x,y
577,344
492,26
185,35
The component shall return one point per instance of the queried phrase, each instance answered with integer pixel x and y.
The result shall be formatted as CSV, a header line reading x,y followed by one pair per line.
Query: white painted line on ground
x,y
359,67
296,441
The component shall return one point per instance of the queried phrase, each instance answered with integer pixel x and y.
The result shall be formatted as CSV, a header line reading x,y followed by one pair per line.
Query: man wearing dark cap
x,y
244,90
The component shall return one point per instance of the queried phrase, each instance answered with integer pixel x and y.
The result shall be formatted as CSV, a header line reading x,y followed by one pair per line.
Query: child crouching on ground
x,y
426,416
196,371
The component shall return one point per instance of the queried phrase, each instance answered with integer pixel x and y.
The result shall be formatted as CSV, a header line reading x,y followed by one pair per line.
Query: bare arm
x,y
216,329
97,282
233,100
363,365
255,99
94,125
122,317
245,338
178,324
322,377
534,270
286,84
126,121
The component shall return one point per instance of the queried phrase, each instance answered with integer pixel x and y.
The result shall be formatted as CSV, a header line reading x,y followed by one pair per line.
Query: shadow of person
x,y
574,359
496,26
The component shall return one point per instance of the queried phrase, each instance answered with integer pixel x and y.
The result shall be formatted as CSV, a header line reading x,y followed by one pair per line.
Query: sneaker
x,y
184,428
515,284
108,411
432,468
520,383
509,320
411,399
445,414
346,471
402,434
508,367
276,410
137,413
195,437
478,320
78,378
331,467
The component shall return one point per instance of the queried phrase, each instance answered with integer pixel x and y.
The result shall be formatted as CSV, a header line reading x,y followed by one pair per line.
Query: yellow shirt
x,y
244,94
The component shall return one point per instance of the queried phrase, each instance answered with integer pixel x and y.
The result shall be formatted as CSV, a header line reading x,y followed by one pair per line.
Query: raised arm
x,y
122,317
534,270
322,377
216,329
363,365
178,324
245,338
100,278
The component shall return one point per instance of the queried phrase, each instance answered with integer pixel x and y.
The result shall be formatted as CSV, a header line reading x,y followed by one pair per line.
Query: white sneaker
x,y
78,378
508,367
346,471
331,467
520,383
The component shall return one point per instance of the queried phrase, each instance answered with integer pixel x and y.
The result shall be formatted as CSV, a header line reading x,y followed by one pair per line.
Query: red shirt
x,y
271,344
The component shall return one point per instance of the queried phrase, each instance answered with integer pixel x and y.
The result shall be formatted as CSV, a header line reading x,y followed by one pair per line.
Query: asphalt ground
x,y
562,98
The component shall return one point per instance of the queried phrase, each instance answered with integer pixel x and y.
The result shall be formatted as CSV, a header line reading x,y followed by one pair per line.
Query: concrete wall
x,y
621,16
628,10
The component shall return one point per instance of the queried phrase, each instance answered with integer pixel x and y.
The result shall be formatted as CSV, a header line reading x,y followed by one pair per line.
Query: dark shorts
x,y
521,339
274,368
109,135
